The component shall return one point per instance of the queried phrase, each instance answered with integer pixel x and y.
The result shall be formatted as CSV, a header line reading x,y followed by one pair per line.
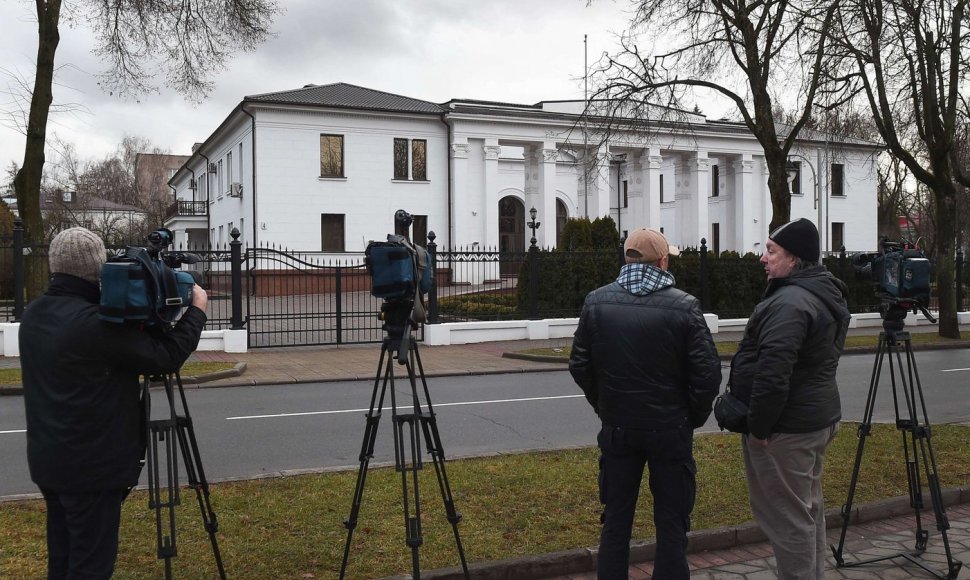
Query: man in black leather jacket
x,y
645,359
785,370
85,433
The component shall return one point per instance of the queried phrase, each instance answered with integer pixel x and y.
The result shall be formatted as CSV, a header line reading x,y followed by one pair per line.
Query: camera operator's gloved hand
x,y
199,297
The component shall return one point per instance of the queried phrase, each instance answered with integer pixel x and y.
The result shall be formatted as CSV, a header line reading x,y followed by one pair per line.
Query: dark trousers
x,y
669,456
82,534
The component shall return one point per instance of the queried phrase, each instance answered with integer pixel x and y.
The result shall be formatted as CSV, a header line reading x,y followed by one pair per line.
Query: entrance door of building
x,y
511,235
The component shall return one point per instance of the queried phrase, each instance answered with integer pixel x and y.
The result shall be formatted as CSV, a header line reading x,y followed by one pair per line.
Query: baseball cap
x,y
645,245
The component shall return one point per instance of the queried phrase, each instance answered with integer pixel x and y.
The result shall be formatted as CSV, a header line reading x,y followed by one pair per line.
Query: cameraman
x,y
85,422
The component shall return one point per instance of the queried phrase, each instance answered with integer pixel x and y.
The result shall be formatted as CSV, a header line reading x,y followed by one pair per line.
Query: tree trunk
x,y
28,179
945,262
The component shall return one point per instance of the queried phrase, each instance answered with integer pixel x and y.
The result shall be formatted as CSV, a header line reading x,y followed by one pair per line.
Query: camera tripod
x,y
916,442
176,429
408,429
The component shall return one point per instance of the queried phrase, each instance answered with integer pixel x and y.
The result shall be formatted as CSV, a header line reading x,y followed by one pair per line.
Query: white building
x,y
324,168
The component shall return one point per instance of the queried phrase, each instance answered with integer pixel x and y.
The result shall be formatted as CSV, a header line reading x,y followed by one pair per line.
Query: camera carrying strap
x,y
163,276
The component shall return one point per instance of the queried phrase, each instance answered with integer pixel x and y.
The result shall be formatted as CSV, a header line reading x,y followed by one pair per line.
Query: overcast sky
x,y
520,51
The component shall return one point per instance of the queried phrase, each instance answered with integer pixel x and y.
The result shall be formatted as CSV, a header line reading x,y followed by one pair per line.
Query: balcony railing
x,y
187,208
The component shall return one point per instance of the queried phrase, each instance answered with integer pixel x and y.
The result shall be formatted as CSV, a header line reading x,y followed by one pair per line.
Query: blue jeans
x,y
668,454
82,534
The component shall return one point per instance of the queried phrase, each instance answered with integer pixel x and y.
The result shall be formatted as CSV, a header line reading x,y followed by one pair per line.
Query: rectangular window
x,y
400,159
331,155
838,179
661,188
838,236
332,232
716,237
715,181
221,175
230,169
410,163
240,156
626,193
796,183
419,230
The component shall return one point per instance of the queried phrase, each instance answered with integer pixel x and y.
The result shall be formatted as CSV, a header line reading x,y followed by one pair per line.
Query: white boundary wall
x,y
474,332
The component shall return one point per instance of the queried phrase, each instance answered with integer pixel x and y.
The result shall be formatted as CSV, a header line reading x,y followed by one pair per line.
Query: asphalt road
x,y
247,431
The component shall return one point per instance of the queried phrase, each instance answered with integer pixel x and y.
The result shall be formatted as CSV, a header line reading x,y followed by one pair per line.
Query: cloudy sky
x,y
520,51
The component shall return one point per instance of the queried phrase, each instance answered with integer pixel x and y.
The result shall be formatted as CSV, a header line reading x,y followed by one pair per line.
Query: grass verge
x,y
730,347
513,505
189,369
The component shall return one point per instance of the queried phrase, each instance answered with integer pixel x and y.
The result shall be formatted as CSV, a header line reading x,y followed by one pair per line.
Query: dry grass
x,y
513,505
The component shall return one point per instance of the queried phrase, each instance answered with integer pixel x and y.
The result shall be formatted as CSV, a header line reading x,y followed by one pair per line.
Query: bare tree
x,y
907,61
753,53
188,40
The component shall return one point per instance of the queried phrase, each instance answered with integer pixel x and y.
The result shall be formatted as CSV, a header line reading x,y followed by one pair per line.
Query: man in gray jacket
x,y
645,359
785,370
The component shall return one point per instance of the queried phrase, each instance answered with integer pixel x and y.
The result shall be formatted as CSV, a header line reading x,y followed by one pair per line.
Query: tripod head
x,y
894,310
398,324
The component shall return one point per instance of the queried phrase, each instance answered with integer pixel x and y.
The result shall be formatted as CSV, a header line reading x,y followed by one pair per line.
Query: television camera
x,y
900,273
400,275
144,284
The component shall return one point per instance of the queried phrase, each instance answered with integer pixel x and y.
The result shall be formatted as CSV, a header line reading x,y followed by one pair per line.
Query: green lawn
x,y
189,369
730,347
513,505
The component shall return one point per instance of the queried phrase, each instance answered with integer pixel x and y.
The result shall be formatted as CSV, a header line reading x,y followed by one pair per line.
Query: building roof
x,y
83,202
346,96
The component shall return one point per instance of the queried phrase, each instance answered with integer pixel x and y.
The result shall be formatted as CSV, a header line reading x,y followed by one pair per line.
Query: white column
x,y
599,205
491,187
546,208
702,193
650,163
746,227
460,208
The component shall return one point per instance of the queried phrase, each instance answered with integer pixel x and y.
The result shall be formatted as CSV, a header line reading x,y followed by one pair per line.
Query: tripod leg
x,y
367,448
923,445
161,434
195,473
865,429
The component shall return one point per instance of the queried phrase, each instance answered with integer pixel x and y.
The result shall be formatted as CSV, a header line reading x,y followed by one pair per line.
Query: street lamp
x,y
792,170
533,225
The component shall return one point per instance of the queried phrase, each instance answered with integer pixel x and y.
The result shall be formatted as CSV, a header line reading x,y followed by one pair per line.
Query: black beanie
x,y
799,237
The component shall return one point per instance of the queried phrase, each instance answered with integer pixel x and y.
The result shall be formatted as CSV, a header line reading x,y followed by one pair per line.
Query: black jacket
x,y
81,386
786,362
647,361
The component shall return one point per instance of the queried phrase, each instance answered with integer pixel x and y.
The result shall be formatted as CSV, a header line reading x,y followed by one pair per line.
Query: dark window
x,y
419,230
419,160
331,155
414,159
838,179
400,159
661,188
332,232
561,217
796,183
626,193
715,181
838,236
716,237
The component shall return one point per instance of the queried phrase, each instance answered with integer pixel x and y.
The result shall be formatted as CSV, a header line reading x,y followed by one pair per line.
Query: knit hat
x,y
647,246
799,237
78,252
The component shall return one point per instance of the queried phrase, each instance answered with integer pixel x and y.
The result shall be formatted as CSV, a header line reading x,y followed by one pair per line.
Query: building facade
x,y
323,169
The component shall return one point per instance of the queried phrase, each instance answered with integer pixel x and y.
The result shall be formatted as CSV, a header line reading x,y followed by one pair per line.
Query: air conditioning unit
x,y
235,190
213,168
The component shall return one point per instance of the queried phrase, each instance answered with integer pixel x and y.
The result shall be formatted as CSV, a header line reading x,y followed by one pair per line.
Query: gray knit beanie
x,y
78,252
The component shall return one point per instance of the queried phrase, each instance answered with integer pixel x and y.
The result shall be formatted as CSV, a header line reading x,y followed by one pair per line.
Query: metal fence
x,y
287,298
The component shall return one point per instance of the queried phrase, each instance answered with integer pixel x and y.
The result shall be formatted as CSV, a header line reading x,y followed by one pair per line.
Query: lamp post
x,y
533,225
792,170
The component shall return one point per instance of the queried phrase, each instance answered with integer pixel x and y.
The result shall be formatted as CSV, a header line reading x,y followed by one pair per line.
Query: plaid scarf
x,y
642,279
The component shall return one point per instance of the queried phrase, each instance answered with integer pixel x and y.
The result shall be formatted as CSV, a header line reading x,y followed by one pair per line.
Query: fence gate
x,y
302,299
